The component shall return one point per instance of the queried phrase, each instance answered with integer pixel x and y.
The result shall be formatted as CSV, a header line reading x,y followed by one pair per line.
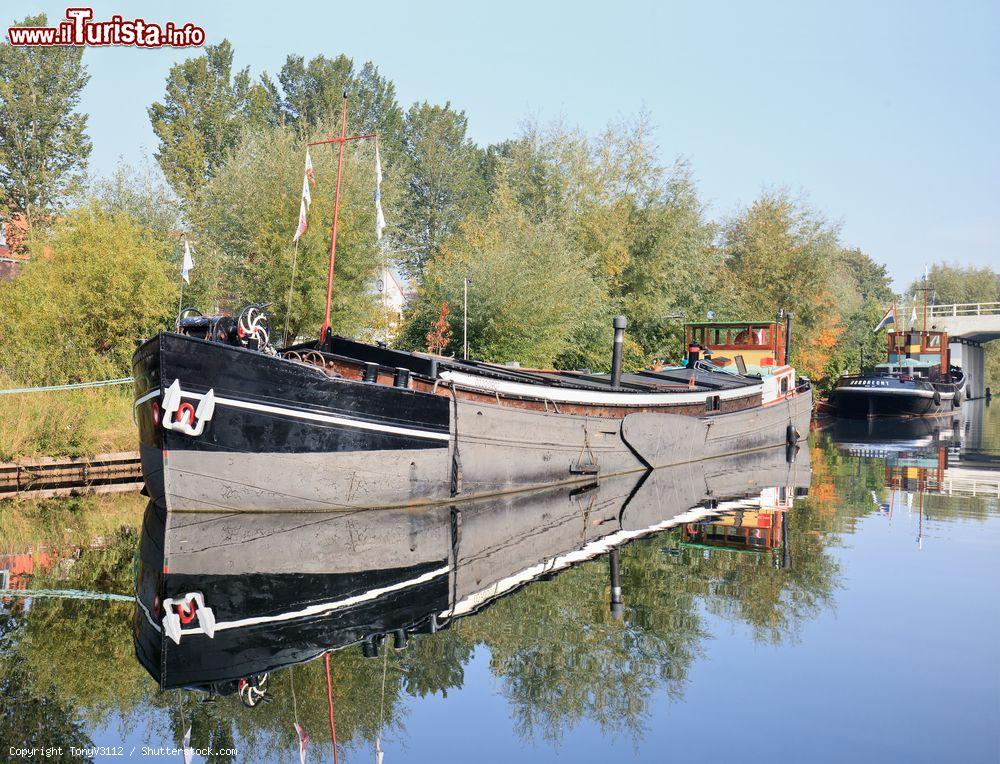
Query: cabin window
x,y
698,334
743,337
784,385
713,403
718,337
764,335
934,341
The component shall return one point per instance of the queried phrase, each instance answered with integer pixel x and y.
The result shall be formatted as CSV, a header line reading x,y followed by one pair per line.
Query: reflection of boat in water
x,y
859,437
227,596
759,530
924,455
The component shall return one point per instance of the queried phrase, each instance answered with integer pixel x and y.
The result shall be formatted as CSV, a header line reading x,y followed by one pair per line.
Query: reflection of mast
x,y
920,523
617,610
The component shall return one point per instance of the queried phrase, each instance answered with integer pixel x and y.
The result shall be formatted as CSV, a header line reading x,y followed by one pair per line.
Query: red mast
x,y
342,139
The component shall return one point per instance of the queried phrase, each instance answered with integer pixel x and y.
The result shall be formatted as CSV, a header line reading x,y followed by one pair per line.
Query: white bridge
x,y
969,325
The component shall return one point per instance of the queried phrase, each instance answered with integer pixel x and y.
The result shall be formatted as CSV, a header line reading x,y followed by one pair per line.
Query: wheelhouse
x,y
922,354
758,343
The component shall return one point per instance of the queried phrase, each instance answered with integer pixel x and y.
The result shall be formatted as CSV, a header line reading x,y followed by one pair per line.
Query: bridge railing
x,y
956,310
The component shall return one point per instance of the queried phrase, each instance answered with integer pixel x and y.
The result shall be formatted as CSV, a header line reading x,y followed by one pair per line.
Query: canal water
x,y
835,604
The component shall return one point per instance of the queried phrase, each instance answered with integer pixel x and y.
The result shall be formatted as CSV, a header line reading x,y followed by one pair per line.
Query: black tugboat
x,y
916,380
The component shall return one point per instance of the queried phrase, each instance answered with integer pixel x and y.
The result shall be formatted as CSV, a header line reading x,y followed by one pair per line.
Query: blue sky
x,y
886,115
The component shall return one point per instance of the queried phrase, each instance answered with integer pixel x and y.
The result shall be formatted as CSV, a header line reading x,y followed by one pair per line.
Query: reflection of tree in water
x,y
30,715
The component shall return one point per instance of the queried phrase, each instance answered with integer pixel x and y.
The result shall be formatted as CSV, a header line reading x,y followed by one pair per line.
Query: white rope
x,y
74,386
69,594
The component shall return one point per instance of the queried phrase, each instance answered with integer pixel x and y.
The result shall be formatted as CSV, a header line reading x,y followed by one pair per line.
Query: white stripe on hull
x,y
597,397
308,415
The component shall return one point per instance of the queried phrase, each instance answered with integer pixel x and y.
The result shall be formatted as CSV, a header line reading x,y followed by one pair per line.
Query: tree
x,y
862,292
951,284
43,142
97,284
780,253
439,335
313,91
204,111
530,289
444,184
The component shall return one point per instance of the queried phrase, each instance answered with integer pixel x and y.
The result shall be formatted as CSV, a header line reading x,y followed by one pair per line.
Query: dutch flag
x,y
888,318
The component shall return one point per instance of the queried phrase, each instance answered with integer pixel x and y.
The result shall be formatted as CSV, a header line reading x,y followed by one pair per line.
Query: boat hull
x,y
882,396
284,436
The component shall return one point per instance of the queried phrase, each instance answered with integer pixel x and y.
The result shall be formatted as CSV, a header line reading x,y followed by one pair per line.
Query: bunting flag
x,y
303,741
188,265
303,207
888,318
309,168
188,750
379,216
306,193
307,177
302,221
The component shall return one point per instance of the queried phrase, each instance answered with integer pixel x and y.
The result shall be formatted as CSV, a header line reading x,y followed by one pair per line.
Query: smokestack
x,y
788,337
617,611
620,322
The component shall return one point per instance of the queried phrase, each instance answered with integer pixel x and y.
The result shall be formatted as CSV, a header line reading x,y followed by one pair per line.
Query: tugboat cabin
x,y
917,354
760,345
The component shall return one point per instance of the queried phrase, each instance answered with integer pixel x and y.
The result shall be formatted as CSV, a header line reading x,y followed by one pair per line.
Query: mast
x,y
341,140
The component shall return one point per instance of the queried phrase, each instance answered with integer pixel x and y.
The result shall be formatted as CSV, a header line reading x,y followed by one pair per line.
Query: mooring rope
x,y
70,594
74,386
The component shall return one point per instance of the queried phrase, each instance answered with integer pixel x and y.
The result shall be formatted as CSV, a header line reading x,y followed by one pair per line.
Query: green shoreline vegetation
x,y
558,231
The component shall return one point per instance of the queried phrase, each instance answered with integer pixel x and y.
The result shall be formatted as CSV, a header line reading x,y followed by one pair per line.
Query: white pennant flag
x,y
306,195
302,221
188,750
306,201
379,216
913,316
309,168
303,742
188,264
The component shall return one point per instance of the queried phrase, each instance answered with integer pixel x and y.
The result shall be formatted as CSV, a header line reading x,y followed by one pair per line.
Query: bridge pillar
x,y
972,358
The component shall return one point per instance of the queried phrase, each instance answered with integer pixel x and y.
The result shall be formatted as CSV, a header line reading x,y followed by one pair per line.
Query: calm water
x,y
840,607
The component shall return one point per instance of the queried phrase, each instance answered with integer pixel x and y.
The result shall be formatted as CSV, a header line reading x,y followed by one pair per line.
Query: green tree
x,y
90,290
43,142
312,95
205,108
781,253
530,288
141,194
863,292
951,284
444,179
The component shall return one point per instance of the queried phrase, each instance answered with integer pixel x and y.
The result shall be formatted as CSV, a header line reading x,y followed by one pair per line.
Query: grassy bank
x,y
74,521
66,422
